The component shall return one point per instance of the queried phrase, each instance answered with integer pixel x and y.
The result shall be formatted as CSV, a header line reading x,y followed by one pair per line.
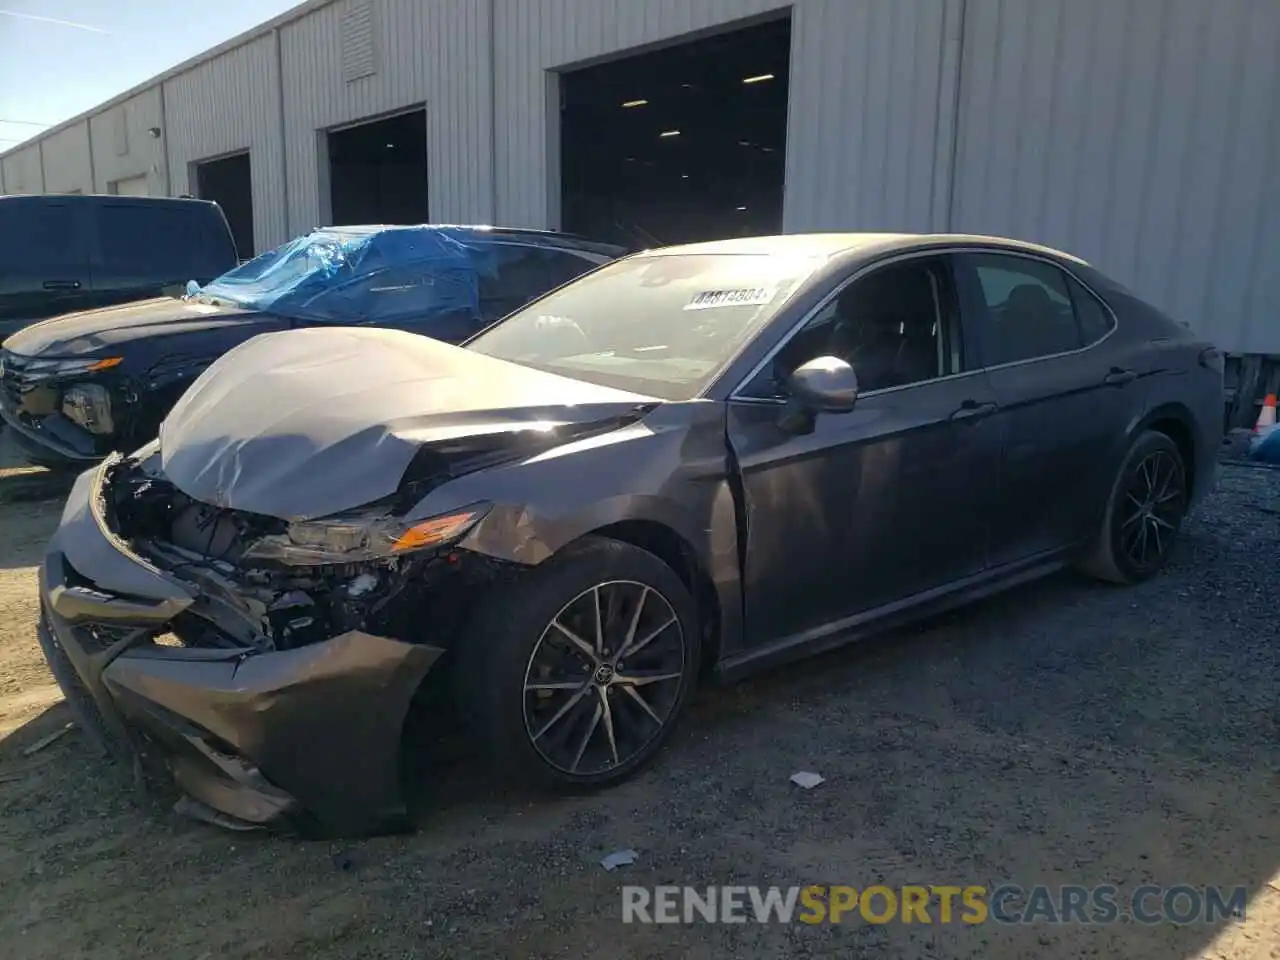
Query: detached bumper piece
x,y
306,739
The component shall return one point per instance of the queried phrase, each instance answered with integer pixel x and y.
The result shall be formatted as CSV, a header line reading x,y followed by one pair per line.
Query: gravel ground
x,y
1065,733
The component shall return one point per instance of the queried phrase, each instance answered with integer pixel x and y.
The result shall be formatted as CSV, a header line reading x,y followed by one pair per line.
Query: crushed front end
x,y
274,686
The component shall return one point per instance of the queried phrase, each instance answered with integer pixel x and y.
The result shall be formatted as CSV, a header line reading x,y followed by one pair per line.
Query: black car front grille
x,y
22,374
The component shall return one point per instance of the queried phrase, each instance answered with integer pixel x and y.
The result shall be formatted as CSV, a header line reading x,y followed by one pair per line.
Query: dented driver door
x,y
877,505
888,501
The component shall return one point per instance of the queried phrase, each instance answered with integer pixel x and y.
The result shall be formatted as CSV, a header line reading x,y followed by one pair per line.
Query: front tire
x,y
1144,514
575,674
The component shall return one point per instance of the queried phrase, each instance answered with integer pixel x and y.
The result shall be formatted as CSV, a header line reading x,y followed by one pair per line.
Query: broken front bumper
x,y
52,442
308,737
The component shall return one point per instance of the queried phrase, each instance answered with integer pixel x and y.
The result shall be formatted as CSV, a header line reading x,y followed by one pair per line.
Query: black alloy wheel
x,y
1148,503
604,677
1152,510
573,674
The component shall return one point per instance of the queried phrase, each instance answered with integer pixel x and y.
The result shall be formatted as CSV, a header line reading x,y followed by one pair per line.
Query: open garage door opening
x,y
229,183
378,171
681,144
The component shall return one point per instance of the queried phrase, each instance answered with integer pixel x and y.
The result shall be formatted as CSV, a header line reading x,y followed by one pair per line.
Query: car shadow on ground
x,y
980,747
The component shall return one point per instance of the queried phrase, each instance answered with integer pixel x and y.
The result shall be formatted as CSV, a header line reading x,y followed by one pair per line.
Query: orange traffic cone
x,y
1267,418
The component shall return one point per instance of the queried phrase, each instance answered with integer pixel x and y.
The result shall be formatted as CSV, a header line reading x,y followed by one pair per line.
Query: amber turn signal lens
x,y
435,530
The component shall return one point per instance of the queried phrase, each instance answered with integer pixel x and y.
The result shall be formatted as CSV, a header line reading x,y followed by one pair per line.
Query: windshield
x,y
265,279
661,324
344,276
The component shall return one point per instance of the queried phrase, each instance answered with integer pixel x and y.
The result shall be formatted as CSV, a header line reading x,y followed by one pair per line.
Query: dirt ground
x,y
1065,733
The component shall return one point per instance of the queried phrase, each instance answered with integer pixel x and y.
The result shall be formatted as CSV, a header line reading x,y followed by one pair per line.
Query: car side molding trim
x,y
878,619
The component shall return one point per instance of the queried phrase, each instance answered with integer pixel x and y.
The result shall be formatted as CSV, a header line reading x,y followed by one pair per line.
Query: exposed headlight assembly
x,y
319,542
89,405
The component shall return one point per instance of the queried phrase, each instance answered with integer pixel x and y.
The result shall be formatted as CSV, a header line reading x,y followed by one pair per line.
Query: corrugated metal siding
x,y
128,124
22,170
435,54
1141,136
534,36
66,161
1148,144
866,138
229,104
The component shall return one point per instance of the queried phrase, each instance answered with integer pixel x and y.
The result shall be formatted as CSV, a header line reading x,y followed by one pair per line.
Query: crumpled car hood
x,y
309,423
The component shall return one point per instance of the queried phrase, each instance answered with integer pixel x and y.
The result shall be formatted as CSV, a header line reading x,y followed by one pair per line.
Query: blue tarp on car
x,y
343,274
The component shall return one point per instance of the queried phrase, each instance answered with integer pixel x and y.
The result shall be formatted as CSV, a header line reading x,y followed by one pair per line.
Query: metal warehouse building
x,y
1142,135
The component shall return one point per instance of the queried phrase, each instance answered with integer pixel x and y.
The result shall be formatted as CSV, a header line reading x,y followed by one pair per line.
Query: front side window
x,y
889,326
1028,308
412,291
658,324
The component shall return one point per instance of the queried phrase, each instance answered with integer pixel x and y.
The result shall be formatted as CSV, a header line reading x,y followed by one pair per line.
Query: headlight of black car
x,y
89,406
359,540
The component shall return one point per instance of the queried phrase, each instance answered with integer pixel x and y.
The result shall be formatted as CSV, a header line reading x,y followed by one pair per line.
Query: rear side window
x,y
1094,318
1028,307
525,273
38,240
158,243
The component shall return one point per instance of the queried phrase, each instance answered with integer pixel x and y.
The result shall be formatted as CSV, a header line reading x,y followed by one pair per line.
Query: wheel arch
x,y
673,549
1175,421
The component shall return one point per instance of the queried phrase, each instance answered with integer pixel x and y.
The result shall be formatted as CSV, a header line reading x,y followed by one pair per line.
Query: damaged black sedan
x,y
688,464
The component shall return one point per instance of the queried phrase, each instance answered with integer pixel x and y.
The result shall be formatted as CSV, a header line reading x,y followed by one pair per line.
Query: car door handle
x,y
61,284
1118,377
973,410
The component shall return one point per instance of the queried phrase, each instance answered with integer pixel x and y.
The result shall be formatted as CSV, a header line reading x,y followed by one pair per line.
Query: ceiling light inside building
x,y
758,78
635,103
669,133
741,208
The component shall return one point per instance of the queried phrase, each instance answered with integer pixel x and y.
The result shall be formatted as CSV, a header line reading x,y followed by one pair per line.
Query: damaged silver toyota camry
x,y
689,463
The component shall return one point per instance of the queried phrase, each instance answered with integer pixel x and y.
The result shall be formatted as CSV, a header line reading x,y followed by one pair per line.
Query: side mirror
x,y
824,385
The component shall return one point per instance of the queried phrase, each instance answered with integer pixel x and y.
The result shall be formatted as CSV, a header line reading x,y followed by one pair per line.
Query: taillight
x,y
1211,358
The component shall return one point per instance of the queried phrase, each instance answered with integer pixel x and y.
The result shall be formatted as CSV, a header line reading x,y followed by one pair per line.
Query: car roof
x,y
850,245
553,238
103,198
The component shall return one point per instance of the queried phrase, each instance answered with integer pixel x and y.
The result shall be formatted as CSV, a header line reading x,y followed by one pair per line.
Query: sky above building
x,y
59,58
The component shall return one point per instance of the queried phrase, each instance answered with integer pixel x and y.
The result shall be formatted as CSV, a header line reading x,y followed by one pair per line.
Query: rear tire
x,y
1144,514
574,675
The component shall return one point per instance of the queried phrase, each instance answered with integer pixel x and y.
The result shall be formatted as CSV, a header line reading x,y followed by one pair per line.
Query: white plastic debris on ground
x,y
619,858
807,779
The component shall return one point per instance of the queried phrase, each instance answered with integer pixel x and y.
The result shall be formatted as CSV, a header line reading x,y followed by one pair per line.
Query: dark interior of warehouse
x,y
229,182
678,144
378,171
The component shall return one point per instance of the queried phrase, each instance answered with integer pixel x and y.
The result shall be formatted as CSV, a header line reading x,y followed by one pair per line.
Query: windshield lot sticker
x,y
745,297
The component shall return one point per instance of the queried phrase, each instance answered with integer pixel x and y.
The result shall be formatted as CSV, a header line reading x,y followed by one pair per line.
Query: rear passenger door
x,y
1040,335
44,264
